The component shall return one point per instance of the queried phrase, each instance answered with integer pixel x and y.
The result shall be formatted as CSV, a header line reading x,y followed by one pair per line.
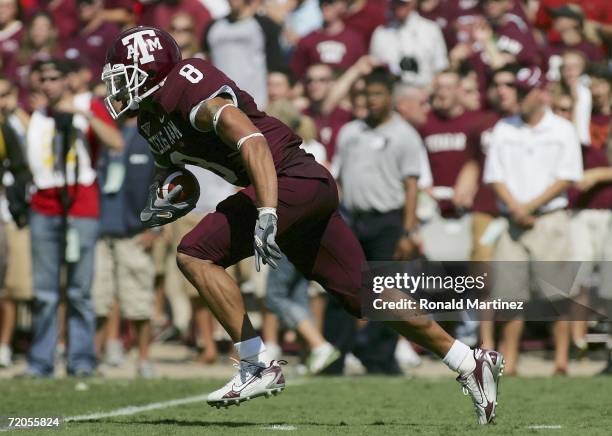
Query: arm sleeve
x,y
570,164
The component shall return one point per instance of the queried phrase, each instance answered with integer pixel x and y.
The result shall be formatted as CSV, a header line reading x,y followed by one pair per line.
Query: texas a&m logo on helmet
x,y
136,64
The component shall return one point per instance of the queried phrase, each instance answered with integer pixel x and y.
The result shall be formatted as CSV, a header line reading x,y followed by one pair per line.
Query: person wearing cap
x,y
411,46
533,159
63,140
334,44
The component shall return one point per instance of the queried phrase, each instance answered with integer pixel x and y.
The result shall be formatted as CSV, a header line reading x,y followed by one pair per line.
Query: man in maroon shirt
x,y
449,138
93,37
11,31
190,112
318,83
335,44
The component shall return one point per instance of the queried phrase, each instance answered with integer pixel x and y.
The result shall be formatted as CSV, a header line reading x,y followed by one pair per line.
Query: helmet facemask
x,y
122,87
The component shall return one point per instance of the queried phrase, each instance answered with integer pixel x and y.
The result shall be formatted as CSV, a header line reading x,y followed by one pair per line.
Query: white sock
x,y
251,350
460,358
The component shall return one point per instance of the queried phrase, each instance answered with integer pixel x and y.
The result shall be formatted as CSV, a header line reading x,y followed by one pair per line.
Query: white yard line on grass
x,y
133,410
549,427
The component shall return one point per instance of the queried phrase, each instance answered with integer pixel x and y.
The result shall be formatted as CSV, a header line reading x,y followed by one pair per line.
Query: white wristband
x,y
217,115
246,138
265,210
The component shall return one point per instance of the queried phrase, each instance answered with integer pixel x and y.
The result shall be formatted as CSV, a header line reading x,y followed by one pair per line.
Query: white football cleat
x,y
252,380
481,383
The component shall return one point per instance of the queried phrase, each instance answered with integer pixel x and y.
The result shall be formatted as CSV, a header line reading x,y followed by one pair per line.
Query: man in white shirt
x,y
534,157
412,46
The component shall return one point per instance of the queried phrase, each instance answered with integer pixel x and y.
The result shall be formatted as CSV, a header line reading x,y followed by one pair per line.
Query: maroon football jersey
x,y
450,143
174,141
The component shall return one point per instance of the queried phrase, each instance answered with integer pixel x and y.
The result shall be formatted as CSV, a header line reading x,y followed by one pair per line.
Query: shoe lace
x,y
246,368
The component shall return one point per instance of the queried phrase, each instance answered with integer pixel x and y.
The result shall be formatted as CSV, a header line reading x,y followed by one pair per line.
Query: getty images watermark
x,y
456,291
412,284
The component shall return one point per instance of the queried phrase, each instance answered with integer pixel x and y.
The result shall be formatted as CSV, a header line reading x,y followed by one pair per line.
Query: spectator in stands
x,y
40,42
64,218
500,38
597,22
449,138
14,272
575,83
329,118
182,29
245,46
568,22
94,36
592,198
377,165
503,100
124,265
334,44
531,180
280,85
412,46
11,32
160,13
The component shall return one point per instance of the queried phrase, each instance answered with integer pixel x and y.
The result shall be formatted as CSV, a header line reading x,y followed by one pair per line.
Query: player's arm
x,y
238,132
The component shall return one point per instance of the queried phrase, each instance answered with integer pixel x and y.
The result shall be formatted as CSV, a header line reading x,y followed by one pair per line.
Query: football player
x,y
191,113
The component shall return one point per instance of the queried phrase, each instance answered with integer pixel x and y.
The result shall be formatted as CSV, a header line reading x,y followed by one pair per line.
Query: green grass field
x,y
322,406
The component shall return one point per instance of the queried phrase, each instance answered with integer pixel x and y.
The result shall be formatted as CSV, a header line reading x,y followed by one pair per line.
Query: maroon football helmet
x,y
136,64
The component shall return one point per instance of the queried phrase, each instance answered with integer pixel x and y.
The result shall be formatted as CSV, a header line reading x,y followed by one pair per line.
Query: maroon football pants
x,y
310,232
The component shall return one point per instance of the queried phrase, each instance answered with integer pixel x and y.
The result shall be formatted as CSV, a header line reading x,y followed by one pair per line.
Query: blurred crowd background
x,y
83,282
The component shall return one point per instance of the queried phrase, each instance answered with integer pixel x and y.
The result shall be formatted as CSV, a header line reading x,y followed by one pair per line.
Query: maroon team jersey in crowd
x,y
339,51
329,126
450,143
485,200
174,141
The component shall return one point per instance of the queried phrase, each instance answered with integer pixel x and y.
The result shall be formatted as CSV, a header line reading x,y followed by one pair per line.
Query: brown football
x,y
184,178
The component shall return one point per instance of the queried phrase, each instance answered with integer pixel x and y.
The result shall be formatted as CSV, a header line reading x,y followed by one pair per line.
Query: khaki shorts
x,y
517,248
126,271
18,278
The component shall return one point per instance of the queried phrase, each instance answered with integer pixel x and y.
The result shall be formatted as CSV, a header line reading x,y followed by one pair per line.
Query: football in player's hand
x,y
190,188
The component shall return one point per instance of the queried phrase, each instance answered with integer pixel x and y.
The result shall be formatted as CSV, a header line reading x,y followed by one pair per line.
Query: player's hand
x,y
161,211
266,249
